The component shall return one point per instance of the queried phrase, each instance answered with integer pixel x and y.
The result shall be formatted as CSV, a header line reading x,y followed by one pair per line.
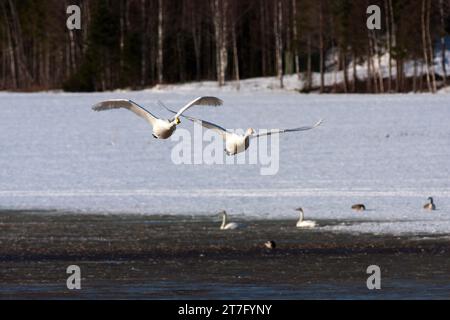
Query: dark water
x,y
163,257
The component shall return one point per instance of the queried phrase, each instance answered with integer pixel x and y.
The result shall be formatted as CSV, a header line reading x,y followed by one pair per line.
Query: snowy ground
x,y
389,152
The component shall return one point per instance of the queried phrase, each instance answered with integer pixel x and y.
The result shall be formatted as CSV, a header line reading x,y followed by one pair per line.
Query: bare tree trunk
x,y
160,59
430,48
335,69
10,50
66,59
86,20
295,36
388,43
122,30
288,51
355,76
415,76
401,68
235,56
223,42
4,62
219,8
309,64
377,52
443,49
24,77
322,48
278,13
343,63
371,62
47,65
217,32
424,45
144,43
394,39
369,69
71,53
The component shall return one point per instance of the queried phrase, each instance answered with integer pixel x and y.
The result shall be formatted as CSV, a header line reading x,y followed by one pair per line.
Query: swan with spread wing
x,y
236,143
162,128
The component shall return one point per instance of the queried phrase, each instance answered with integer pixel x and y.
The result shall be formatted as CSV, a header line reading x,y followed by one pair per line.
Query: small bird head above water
x,y
270,244
359,207
249,132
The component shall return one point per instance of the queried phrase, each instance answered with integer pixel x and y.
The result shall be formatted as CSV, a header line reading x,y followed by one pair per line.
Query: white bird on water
x,y
302,223
162,128
236,143
229,226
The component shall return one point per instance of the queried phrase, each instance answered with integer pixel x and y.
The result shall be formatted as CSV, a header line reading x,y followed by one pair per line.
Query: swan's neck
x,y
248,133
301,217
224,220
431,201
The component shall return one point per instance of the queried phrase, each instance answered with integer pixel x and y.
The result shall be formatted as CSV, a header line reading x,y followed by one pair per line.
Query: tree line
x,y
141,43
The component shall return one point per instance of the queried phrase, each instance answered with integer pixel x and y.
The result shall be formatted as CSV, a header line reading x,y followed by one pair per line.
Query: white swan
x,y
304,224
229,226
236,143
162,128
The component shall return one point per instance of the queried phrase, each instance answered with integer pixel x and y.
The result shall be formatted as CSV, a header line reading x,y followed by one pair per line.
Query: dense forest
x,y
142,43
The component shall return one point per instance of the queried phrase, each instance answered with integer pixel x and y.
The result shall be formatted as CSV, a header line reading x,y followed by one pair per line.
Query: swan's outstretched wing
x,y
126,104
209,125
277,131
201,101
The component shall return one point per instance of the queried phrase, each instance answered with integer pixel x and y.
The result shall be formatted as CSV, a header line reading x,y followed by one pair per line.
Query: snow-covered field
x,y
390,152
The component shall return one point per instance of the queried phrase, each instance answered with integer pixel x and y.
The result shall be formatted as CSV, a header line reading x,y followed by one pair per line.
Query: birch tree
x,y
278,24
443,47
425,44
219,8
160,59
295,36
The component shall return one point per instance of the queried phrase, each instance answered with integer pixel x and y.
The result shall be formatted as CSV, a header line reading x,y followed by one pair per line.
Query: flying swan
x,y
304,223
236,143
162,128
